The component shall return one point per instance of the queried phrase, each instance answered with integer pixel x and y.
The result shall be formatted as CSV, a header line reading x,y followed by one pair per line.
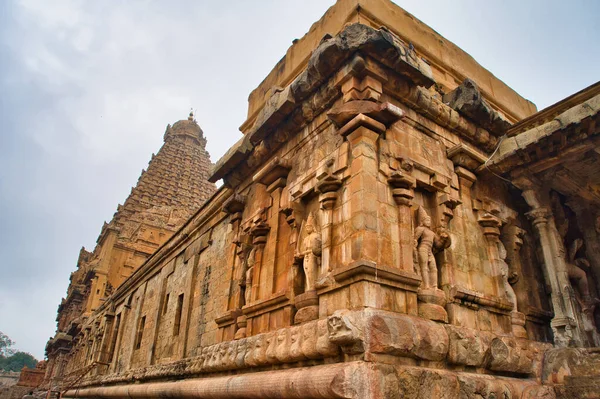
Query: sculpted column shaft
x,y
562,320
274,177
403,192
234,207
259,237
491,231
328,187
566,323
269,272
363,135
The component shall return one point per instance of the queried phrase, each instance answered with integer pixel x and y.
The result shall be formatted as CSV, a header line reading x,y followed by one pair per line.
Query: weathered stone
x,y
346,329
359,247
466,346
506,355
467,100
476,387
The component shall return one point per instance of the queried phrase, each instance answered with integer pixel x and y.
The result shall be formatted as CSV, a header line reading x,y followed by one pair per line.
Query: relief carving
x,y
576,267
346,332
425,242
308,253
248,275
507,276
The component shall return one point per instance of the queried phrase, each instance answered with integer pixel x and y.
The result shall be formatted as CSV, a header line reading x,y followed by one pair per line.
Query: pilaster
x,y
566,329
366,273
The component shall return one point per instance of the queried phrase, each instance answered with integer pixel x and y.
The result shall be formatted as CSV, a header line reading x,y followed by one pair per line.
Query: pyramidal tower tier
x,y
176,176
168,192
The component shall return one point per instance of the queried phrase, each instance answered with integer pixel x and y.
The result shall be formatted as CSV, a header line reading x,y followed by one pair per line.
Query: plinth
x,y
308,307
431,304
517,320
242,322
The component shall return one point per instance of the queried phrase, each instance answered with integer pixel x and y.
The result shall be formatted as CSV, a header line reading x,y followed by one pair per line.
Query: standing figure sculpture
x,y
576,271
425,241
249,275
309,252
506,276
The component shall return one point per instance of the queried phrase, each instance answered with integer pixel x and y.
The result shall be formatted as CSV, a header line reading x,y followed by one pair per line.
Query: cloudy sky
x,y
87,88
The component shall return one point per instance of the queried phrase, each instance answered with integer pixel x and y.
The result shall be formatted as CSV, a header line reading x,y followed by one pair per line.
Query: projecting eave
x,y
331,54
450,64
552,141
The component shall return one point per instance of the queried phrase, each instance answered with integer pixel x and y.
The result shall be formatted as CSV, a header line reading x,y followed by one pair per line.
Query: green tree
x,y
12,360
5,344
17,361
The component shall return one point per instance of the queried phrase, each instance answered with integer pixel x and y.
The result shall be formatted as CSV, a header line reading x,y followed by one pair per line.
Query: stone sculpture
x,y
425,242
507,276
249,275
576,271
309,252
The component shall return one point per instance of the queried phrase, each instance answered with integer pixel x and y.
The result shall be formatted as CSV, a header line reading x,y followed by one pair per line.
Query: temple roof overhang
x,y
560,147
450,64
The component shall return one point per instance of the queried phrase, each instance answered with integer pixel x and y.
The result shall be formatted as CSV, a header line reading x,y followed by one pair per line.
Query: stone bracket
x,y
466,156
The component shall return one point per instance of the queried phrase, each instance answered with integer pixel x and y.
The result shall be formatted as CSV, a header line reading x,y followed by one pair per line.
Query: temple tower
x,y
168,192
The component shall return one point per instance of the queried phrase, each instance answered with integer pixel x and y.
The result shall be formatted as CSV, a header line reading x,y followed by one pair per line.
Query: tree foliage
x,y
12,360
5,344
17,361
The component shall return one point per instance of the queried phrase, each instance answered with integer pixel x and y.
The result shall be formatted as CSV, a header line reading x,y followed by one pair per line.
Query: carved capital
x,y
466,157
361,80
466,177
515,236
490,223
234,206
447,204
274,174
259,228
328,184
383,113
403,186
539,216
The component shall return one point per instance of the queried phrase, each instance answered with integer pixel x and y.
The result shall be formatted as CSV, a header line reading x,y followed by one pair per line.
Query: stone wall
x,y
359,248
8,378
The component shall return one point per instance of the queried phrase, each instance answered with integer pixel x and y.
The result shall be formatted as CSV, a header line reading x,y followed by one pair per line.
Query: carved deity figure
x,y
249,275
507,276
309,252
576,271
425,242
575,266
244,251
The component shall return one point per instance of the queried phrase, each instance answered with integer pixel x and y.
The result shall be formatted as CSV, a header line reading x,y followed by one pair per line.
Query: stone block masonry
x,y
362,244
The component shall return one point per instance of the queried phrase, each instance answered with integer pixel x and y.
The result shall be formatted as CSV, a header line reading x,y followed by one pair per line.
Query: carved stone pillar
x,y
234,206
565,326
362,133
106,338
562,325
274,177
403,186
327,186
514,244
491,230
259,233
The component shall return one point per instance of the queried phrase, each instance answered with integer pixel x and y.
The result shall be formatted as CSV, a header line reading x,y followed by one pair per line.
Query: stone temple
x,y
395,222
